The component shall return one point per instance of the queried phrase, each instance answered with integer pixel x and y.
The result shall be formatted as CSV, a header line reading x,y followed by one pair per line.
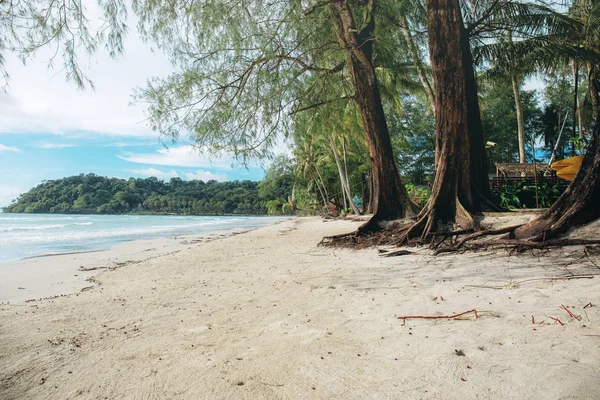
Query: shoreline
x,y
48,276
270,314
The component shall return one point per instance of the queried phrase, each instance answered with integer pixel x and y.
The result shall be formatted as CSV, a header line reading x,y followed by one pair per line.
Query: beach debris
x,y
396,253
588,305
569,312
454,316
459,353
557,320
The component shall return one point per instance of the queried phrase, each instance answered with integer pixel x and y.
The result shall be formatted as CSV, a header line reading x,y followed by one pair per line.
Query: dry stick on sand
x,y
557,320
569,312
405,317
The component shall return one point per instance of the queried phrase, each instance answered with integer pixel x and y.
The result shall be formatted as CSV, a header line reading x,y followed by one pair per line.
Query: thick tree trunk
x,y
520,123
477,184
578,205
390,201
460,186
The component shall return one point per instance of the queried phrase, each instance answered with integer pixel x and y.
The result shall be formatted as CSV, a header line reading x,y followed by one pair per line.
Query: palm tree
x,y
544,40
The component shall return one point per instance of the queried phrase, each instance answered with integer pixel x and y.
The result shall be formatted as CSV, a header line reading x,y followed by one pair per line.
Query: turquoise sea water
x,y
31,235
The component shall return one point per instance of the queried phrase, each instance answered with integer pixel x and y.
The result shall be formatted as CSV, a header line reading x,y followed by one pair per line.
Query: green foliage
x,y
523,194
64,27
279,180
508,196
274,207
91,194
242,67
547,194
418,194
413,140
499,120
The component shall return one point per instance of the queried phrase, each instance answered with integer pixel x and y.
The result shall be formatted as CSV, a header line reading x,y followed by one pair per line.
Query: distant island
x,y
92,194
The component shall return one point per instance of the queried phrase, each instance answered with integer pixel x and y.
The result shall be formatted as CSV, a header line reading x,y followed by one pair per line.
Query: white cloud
x,y
8,194
182,156
198,175
55,145
39,100
8,148
204,176
155,172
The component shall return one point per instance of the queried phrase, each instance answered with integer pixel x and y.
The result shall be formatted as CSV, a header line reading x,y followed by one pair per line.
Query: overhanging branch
x,y
322,103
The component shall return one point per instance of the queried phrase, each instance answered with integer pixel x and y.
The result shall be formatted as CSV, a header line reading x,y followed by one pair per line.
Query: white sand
x,y
57,275
268,314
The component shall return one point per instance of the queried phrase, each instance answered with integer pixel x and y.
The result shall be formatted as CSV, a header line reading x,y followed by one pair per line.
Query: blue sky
x,y
49,129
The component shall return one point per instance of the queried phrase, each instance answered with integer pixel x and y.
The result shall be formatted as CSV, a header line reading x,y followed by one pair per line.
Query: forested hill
x,y
91,194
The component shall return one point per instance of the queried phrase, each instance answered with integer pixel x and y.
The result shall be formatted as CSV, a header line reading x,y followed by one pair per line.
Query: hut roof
x,y
528,169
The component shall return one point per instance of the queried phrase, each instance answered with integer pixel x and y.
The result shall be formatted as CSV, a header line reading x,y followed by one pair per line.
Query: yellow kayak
x,y
567,168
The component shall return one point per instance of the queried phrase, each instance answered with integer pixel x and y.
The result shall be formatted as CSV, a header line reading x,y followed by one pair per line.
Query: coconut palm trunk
x,y
520,119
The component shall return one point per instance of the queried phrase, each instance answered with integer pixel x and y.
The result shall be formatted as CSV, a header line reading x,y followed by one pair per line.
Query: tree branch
x,y
316,7
322,103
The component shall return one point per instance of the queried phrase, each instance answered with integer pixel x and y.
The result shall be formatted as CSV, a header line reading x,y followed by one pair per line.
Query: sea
x,y
33,235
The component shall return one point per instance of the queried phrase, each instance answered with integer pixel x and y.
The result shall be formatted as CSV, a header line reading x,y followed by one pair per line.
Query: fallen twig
x,y
405,317
588,305
557,320
557,278
396,253
569,312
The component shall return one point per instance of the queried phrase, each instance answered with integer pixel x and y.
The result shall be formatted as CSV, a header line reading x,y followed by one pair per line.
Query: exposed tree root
x,y
516,245
407,233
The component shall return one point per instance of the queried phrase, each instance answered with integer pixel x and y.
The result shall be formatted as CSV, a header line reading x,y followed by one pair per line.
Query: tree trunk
x,y
593,90
343,179
576,78
578,205
478,183
414,53
365,193
460,186
520,123
390,201
371,190
321,193
323,184
352,204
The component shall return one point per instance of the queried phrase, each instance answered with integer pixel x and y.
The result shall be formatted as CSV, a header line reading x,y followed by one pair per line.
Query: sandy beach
x,y
270,315
55,275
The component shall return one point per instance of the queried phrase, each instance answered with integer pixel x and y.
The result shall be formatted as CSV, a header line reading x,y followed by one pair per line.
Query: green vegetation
x,y
91,194
363,91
